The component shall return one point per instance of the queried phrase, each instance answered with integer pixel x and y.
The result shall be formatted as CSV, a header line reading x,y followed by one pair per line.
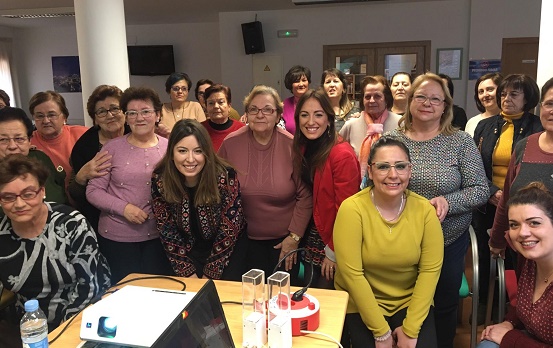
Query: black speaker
x,y
253,37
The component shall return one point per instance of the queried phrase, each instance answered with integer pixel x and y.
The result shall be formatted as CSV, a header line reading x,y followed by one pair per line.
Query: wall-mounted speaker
x,y
253,37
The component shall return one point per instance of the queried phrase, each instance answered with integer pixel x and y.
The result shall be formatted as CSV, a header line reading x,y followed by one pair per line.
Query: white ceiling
x,y
156,11
146,11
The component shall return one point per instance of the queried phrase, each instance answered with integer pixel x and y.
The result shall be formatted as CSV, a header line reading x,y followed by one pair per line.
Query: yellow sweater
x,y
502,152
385,272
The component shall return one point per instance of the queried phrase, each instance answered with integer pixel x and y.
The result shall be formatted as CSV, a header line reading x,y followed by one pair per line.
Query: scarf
x,y
375,128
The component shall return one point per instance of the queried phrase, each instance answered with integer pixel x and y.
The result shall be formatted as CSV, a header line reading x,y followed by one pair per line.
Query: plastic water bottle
x,y
34,326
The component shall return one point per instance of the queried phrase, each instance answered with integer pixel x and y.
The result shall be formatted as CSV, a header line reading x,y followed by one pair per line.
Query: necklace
x,y
177,116
382,216
546,280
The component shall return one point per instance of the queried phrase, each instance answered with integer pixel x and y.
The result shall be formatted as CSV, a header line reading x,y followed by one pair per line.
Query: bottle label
x,y
43,343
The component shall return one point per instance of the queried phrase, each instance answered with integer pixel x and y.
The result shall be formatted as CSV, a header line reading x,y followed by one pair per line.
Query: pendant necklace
x,y
546,280
176,117
382,216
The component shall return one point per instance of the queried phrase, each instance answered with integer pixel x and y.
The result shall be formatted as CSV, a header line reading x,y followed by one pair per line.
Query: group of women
x,y
168,195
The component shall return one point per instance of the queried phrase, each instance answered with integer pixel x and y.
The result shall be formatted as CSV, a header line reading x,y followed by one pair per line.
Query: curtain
x,y
6,82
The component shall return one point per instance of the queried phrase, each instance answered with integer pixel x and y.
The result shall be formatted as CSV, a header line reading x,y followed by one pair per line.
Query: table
x,y
333,305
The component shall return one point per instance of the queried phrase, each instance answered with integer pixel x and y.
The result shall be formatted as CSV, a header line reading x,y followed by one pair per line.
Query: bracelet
x,y
383,337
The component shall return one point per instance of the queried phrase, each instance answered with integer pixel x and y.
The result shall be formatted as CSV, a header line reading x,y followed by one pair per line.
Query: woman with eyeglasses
x,y
277,203
448,171
389,248
87,158
178,86
52,135
126,228
532,160
496,138
48,251
375,119
329,167
16,129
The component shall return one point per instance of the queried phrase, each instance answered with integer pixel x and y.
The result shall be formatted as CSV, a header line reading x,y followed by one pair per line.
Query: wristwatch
x,y
294,236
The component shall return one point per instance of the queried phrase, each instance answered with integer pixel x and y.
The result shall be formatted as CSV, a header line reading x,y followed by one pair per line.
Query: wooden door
x,y
520,56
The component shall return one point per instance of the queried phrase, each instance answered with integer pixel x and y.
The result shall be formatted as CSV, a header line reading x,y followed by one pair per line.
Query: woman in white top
x,y
486,102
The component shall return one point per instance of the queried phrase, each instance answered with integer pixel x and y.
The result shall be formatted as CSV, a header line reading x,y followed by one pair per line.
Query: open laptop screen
x,y
202,325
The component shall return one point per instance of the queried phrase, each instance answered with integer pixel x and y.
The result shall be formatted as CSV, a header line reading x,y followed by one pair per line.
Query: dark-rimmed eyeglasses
x,y
384,168
114,110
178,88
26,195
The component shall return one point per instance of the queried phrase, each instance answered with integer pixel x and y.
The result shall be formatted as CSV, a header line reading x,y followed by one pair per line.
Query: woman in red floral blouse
x,y
197,206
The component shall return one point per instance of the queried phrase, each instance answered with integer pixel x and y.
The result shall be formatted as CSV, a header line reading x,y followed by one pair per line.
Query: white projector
x,y
134,316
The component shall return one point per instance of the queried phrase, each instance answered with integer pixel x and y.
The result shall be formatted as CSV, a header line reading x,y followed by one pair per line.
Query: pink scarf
x,y
375,128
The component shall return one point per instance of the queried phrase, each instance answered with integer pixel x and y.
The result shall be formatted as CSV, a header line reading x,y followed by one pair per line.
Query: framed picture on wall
x,y
449,62
66,74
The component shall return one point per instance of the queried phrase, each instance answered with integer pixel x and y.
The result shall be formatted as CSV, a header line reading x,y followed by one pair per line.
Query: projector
x,y
134,316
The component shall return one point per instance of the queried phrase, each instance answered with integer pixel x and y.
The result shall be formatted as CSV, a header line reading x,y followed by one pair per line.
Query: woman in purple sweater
x,y
123,193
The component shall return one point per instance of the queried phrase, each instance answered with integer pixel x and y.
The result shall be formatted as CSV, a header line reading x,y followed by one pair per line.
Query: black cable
x,y
298,295
107,292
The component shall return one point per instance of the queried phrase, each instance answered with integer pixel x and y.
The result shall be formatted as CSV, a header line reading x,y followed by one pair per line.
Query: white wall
x,y
196,49
445,23
493,20
216,50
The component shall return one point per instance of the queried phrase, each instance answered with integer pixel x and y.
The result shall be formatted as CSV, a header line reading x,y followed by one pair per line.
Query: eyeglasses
x,y
17,140
25,195
547,106
146,113
178,88
384,168
114,110
433,100
254,111
51,116
511,94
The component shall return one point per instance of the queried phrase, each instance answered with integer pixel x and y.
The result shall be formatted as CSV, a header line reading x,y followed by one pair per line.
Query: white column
x,y
102,43
545,51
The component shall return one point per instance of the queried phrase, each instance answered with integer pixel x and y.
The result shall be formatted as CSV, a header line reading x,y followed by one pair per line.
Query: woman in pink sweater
x,y
277,204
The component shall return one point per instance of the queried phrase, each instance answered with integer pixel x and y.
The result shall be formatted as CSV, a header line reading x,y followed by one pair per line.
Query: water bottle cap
x,y
31,305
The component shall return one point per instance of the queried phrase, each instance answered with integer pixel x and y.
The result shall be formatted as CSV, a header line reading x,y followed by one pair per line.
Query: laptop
x,y
203,323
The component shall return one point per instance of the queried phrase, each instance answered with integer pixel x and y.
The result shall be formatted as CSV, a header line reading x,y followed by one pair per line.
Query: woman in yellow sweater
x,y
392,275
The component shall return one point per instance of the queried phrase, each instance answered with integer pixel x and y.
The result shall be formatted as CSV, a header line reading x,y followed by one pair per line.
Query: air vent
x,y
319,2
39,13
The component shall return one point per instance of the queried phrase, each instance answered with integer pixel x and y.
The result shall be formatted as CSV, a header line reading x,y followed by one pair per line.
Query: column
x,y
102,44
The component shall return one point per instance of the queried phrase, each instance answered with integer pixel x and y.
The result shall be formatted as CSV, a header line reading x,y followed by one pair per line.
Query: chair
x,y
465,291
507,285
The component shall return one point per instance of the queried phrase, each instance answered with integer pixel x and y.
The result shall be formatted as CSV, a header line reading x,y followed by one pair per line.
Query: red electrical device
x,y
305,315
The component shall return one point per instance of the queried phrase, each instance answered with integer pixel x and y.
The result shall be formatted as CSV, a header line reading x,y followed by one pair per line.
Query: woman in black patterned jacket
x,y
48,251
197,206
